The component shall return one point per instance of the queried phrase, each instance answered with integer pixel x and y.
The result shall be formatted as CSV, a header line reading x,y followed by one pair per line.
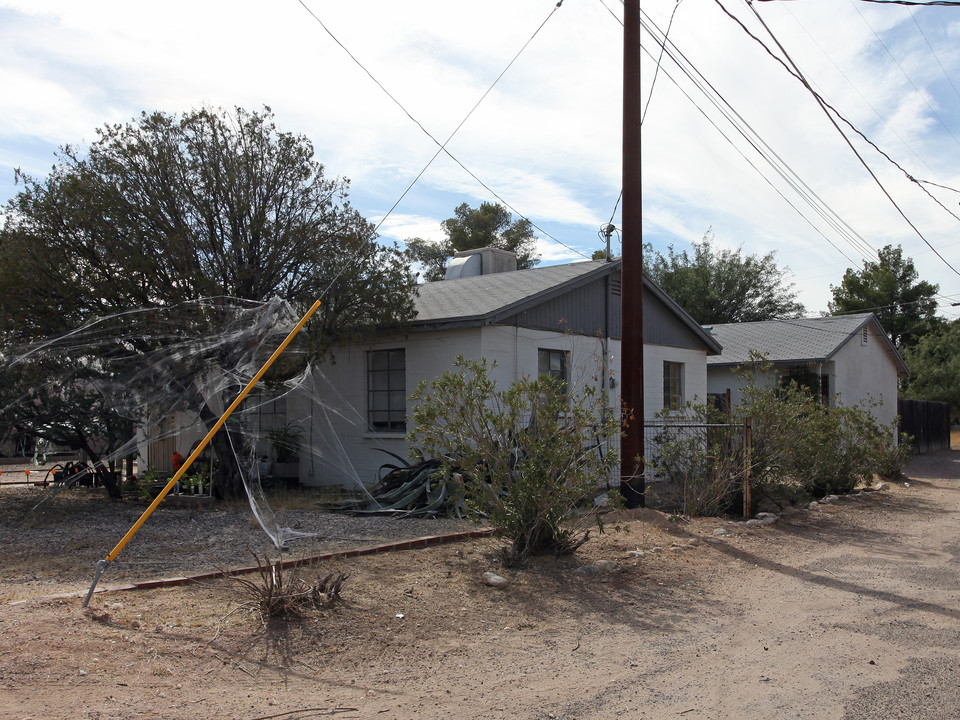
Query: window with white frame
x,y
387,390
672,385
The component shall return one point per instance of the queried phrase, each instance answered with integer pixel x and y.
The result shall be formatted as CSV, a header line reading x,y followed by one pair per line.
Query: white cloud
x,y
547,138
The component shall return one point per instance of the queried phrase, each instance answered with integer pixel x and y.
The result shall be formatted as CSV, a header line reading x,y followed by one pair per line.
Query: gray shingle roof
x,y
791,341
485,296
489,299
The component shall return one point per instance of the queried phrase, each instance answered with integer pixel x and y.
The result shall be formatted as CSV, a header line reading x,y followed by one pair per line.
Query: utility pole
x,y
631,298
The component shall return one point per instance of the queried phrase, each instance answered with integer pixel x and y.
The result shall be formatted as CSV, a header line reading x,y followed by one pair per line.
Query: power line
x,y
760,146
799,75
903,72
442,147
866,101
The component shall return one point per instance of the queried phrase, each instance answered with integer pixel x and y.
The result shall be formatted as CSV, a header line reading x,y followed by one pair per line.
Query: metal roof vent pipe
x,y
481,261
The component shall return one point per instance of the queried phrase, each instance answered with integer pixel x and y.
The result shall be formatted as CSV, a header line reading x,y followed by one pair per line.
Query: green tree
x,y
168,209
934,362
490,225
890,288
723,286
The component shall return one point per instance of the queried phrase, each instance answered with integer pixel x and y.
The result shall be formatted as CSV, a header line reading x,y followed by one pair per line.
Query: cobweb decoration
x,y
150,365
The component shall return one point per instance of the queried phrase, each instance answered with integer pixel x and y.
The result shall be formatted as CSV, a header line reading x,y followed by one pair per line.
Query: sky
x,y
545,138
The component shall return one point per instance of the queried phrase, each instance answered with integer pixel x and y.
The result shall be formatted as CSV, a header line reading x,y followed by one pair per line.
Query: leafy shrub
x,y
698,464
799,443
800,448
532,456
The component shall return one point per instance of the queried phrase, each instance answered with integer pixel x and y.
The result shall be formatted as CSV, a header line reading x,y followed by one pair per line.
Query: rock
x,y
638,553
882,486
753,522
723,532
829,499
769,520
813,505
765,515
494,580
597,567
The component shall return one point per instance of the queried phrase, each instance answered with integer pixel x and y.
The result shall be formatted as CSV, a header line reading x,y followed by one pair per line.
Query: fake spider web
x,y
170,373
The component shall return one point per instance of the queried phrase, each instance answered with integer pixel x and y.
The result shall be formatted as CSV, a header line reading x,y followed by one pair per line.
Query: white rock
x,y
813,505
721,531
494,580
753,522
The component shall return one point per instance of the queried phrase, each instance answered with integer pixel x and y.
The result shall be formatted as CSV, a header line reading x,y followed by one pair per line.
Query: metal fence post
x,y
747,465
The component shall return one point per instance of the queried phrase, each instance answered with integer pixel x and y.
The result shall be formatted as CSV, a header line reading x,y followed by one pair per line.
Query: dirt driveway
x,y
850,610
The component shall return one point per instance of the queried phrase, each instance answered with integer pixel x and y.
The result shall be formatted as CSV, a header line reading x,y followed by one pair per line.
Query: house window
x,y
552,363
387,390
672,385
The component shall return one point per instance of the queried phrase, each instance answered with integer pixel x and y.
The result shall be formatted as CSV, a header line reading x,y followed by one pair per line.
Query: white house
x,y
563,319
849,359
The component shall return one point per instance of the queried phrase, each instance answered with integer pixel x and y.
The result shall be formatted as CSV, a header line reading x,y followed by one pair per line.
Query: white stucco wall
x,y
856,373
427,356
865,371
694,375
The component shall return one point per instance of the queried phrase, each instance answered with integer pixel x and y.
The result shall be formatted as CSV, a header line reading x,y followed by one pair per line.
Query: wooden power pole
x,y
631,299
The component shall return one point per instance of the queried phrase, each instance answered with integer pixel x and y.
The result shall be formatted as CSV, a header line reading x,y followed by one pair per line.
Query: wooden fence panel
x,y
927,421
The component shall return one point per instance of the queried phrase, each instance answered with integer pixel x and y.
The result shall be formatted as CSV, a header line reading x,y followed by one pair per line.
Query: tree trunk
x,y
226,446
102,473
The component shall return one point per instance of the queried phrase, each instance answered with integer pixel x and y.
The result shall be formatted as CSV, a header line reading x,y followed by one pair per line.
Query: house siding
x,y
867,372
428,355
581,310
661,328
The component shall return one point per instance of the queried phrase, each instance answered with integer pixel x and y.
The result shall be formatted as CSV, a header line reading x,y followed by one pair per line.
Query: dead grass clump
x,y
284,593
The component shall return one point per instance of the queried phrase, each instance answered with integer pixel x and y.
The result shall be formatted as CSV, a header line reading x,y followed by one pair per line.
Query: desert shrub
x,y
802,447
697,461
532,456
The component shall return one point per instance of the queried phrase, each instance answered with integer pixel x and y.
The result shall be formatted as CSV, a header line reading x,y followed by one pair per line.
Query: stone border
x,y
420,542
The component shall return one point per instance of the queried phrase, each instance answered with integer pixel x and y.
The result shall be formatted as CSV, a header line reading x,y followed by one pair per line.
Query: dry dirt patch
x,y
817,616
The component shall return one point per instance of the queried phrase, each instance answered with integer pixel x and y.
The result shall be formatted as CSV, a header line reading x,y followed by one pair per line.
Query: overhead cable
x,y
442,147
799,75
903,72
760,146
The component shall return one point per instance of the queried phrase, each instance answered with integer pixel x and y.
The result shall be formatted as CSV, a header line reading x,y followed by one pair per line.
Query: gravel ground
x,y
181,537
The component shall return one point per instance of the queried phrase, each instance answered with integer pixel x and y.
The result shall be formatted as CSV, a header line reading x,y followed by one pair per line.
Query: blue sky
x,y
547,138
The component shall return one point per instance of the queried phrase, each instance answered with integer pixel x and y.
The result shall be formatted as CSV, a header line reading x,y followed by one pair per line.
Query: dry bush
x,y
278,592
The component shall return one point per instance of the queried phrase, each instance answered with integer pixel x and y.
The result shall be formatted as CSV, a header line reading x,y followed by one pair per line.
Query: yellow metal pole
x,y
101,565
